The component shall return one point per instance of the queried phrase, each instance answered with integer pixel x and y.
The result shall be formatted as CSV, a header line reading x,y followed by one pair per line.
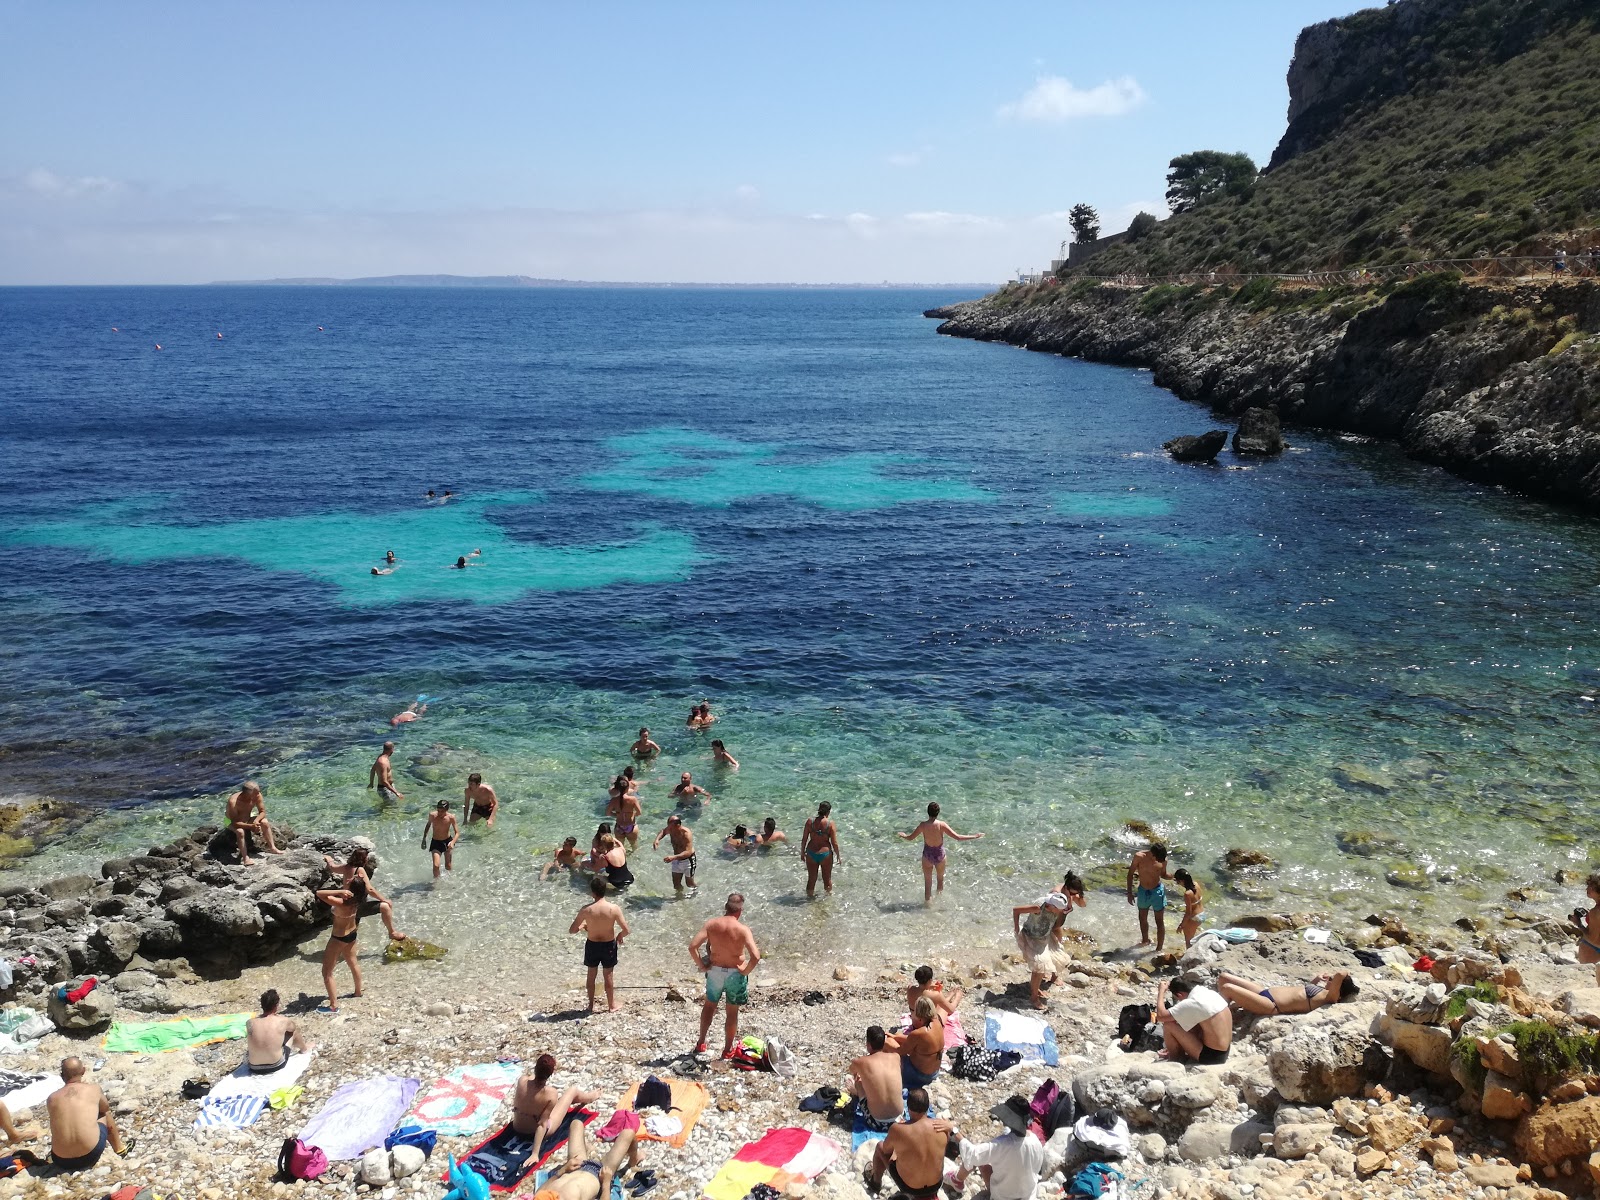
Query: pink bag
x,y
296,1160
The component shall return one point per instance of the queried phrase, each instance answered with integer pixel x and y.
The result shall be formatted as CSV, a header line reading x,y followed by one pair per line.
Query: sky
x,y
667,142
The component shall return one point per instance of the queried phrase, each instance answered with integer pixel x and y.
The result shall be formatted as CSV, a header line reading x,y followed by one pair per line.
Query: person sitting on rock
x,y
1011,1164
81,1123
1199,1026
1287,999
360,864
247,814
912,1154
270,1037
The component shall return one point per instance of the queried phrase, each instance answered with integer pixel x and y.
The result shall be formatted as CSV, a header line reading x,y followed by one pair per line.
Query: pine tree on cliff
x,y
1085,223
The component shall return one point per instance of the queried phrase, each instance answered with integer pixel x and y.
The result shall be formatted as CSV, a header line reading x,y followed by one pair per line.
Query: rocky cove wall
x,y
1497,384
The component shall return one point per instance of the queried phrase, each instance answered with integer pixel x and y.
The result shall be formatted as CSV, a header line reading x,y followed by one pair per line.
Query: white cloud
x,y
908,158
747,191
42,182
1056,99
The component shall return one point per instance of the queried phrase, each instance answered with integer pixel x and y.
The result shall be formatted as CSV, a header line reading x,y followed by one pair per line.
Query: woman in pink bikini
x,y
933,832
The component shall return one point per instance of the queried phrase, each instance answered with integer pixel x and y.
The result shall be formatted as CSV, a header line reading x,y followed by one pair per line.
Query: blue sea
x,y
902,568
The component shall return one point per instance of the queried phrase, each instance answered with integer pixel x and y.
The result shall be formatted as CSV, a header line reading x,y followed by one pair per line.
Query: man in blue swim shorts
x,y
1147,870
726,951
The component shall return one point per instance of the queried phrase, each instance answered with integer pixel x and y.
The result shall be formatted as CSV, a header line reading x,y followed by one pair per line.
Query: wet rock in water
x,y
1239,860
1259,432
1197,448
1409,876
1354,777
1364,843
1252,890
1265,922
413,950
1140,829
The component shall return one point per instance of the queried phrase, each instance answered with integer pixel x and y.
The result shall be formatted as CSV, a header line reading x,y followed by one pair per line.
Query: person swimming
x,y
413,711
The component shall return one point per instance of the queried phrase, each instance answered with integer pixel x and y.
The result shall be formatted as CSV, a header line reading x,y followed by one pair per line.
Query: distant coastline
x,y
529,281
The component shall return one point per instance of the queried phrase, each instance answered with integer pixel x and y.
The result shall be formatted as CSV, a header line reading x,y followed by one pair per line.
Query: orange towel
x,y
689,1100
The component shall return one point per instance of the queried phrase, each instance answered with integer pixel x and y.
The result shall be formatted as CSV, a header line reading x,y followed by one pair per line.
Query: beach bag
x,y
974,1062
1052,1108
781,1059
413,1135
296,1160
653,1093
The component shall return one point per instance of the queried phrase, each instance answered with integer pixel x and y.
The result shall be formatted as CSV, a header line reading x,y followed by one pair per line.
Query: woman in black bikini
x,y
346,904
1286,999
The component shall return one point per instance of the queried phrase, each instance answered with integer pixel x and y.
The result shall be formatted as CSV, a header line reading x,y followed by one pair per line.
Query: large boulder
x,y
91,1012
1558,1131
1197,448
214,917
1259,432
113,944
1426,1045
1210,1140
1316,1062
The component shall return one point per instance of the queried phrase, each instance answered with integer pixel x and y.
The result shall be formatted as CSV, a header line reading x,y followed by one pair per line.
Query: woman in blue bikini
x,y
1588,926
820,841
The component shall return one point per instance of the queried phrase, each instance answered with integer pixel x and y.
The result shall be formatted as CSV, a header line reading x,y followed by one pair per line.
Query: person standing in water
x,y
720,756
688,792
440,835
479,801
820,842
644,747
1148,869
682,860
625,809
933,832
381,776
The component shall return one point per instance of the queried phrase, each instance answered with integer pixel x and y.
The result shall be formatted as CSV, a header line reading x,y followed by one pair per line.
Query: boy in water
x,y
381,776
604,925
567,855
933,832
440,835
480,801
1149,868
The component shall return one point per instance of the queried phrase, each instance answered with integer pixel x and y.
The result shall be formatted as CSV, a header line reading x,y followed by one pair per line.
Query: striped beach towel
x,y
230,1112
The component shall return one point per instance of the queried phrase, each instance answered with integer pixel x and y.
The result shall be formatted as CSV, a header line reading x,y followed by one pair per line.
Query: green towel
x,y
153,1036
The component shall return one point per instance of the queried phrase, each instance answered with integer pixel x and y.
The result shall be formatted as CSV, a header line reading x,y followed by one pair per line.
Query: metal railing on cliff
x,y
1527,267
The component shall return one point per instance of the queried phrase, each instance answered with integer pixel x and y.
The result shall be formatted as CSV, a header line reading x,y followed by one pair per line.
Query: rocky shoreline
x,y
1496,383
1478,1076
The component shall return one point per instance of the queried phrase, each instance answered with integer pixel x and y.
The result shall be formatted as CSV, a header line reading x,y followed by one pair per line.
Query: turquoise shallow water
x,y
902,568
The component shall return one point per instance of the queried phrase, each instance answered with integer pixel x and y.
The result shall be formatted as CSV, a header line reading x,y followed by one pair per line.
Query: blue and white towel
x,y
1028,1036
230,1112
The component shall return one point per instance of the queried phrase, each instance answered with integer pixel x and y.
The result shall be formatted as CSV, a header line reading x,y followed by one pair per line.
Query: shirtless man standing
x,y
479,801
933,831
913,1153
728,944
247,813
625,810
1149,868
440,835
80,1121
682,859
604,925
381,776
644,747
270,1037
689,792
875,1081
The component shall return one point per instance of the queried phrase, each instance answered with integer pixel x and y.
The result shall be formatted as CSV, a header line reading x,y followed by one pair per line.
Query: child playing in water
x,y
568,856
933,832
1193,905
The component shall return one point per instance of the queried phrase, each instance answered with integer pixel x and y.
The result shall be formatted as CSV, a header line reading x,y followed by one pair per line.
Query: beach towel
x,y
1028,1036
465,1101
359,1116
861,1134
153,1037
503,1159
229,1104
230,1112
781,1157
689,1101
35,1091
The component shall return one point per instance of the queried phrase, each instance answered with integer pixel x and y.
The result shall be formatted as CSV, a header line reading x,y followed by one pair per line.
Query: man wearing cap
x,y
913,1153
1199,1026
1010,1165
682,860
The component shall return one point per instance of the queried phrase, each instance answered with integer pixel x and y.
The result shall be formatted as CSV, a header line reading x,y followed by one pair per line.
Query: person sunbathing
x,y
538,1109
1286,999
583,1178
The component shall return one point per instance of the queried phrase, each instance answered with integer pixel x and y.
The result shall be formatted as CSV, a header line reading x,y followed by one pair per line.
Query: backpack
x,y
1133,1023
654,1093
296,1160
1052,1108
413,1135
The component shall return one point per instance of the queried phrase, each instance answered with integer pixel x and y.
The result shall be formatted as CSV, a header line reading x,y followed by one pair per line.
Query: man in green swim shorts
x,y
1148,869
726,951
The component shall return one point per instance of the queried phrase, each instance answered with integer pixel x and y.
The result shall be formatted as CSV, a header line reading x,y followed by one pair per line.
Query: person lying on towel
x,y
585,1178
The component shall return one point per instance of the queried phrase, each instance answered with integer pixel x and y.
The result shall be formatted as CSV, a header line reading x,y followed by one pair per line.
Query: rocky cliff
x,y
1497,384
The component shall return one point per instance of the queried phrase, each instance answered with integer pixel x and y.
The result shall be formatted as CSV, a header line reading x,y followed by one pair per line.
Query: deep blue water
x,y
902,567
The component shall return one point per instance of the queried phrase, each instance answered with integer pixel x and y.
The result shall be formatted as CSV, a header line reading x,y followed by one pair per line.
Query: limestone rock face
x,y
1259,432
1316,1063
1426,1045
1297,1141
1558,1131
